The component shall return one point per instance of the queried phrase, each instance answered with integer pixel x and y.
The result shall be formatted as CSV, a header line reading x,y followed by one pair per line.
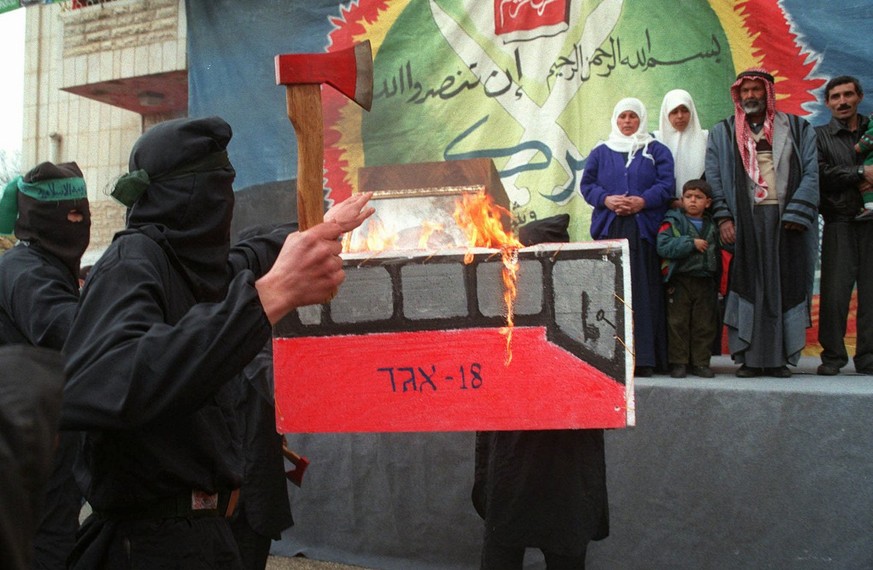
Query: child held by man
x,y
865,147
687,244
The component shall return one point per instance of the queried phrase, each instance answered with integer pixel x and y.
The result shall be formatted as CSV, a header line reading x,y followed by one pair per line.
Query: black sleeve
x,y
140,349
39,300
258,253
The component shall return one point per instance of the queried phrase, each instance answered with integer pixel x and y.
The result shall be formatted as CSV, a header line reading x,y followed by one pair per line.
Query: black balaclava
x,y
42,222
189,198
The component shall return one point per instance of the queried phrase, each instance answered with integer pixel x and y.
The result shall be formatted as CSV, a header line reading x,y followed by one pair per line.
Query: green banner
x,y
9,5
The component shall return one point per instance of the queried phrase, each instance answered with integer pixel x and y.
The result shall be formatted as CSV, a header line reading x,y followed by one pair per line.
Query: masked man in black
x,y
169,316
39,285
39,289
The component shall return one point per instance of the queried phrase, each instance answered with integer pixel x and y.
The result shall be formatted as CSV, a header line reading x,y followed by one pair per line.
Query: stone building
x,y
97,74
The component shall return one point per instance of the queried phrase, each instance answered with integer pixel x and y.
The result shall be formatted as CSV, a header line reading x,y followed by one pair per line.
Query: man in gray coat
x,y
763,169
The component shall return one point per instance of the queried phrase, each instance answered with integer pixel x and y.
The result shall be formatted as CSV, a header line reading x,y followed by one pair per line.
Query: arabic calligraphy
x,y
402,82
499,152
575,165
504,83
575,65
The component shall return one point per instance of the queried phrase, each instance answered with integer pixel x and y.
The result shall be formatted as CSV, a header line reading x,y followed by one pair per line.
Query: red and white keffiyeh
x,y
745,141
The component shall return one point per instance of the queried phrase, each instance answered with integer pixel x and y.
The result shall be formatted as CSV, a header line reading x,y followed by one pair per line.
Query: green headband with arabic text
x,y
54,190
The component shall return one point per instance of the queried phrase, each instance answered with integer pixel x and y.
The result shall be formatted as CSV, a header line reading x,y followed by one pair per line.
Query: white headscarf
x,y
639,140
689,146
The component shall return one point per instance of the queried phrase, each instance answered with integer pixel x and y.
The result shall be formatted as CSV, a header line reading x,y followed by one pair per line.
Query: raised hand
x,y
351,212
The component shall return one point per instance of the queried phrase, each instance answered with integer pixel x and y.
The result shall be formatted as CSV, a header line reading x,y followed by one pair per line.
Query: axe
x,y
300,464
350,71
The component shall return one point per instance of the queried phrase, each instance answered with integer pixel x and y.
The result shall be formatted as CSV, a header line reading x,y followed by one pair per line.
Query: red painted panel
x,y
449,380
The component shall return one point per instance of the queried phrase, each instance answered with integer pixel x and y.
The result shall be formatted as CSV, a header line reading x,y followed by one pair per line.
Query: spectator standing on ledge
x,y
628,179
847,243
688,244
679,129
762,166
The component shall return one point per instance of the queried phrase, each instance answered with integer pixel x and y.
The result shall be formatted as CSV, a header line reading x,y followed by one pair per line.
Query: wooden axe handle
x,y
304,110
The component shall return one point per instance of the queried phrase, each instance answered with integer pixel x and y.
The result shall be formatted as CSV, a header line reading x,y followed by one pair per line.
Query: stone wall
x,y
108,41
118,25
107,217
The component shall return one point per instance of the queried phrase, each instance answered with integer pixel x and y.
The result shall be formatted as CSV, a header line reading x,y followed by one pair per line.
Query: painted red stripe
x,y
453,380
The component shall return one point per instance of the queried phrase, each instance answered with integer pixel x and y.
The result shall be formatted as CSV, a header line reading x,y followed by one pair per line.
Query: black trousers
x,y
254,548
59,523
176,543
846,261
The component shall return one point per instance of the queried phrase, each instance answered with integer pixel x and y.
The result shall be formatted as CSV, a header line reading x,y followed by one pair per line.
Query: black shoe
x,y
865,216
868,371
703,371
778,372
827,370
747,372
643,371
678,371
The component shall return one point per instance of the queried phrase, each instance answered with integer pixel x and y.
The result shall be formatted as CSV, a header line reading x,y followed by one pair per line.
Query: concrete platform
x,y
718,473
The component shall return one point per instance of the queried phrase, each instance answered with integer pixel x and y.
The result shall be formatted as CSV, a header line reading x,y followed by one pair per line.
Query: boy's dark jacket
x,y
676,246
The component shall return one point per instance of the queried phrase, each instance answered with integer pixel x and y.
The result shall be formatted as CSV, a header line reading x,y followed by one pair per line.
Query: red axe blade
x,y
300,464
349,71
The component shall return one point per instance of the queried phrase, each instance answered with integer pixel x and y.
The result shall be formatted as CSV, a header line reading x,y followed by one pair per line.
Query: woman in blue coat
x,y
629,181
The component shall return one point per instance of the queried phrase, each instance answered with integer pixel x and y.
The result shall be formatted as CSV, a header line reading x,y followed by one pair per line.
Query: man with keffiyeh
x,y
762,165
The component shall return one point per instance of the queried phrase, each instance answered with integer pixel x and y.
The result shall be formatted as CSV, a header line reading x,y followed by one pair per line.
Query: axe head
x,y
349,71
296,475
299,462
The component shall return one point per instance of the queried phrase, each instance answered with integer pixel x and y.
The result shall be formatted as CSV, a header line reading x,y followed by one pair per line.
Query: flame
x,y
427,229
378,238
481,220
381,237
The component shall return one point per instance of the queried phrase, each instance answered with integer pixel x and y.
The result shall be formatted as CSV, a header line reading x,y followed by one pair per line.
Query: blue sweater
x,y
605,175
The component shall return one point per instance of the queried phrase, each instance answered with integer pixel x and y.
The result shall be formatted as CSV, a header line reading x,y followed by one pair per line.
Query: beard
x,y
754,106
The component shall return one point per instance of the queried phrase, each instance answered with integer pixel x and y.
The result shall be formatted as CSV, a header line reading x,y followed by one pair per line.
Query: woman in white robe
x,y
679,129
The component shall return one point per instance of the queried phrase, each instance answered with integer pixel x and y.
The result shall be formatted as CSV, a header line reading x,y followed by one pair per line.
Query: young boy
x,y
687,242
865,147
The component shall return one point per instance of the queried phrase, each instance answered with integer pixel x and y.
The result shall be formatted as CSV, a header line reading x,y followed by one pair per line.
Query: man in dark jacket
x,y
169,316
847,245
39,289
